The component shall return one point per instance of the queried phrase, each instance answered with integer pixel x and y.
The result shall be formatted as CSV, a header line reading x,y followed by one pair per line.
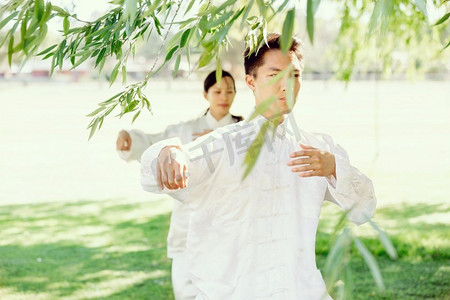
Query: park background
x,y
75,224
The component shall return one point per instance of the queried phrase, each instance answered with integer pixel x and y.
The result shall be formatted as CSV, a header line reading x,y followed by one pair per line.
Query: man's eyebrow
x,y
279,70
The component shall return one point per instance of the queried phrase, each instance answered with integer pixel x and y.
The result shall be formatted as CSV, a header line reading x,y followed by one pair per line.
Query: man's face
x,y
274,61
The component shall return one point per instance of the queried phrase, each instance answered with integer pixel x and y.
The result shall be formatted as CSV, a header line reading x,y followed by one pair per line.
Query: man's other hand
x,y
311,161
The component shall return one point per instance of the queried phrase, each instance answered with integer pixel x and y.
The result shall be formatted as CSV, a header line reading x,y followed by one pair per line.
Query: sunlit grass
x,y
117,250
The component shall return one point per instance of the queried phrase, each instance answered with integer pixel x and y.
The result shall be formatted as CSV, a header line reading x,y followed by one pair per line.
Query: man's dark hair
x,y
210,80
256,59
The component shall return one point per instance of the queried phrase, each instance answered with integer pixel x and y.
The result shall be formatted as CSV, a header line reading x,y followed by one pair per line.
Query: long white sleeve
x,y
202,156
352,190
149,160
141,141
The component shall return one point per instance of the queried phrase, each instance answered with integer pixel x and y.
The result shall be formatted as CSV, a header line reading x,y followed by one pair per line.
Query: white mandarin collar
x,y
214,124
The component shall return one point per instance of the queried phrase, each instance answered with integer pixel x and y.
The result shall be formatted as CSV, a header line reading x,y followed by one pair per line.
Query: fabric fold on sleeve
x,y
139,142
351,190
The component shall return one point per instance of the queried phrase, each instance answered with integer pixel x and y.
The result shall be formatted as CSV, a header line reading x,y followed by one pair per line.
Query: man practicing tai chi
x,y
255,238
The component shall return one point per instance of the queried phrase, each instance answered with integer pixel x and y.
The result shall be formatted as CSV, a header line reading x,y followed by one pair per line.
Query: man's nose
x,y
283,83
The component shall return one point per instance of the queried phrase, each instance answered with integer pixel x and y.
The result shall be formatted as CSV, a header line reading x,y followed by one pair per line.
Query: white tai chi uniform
x,y
255,239
176,240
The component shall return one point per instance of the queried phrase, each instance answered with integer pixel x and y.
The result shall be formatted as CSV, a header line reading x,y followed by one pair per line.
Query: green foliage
x,y
397,27
337,269
206,31
311,9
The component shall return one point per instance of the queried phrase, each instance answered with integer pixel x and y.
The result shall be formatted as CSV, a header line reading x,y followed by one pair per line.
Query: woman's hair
x,y
210,80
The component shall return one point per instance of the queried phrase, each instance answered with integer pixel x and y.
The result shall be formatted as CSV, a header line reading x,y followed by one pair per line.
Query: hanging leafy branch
x,y
337,270
400,26
204,33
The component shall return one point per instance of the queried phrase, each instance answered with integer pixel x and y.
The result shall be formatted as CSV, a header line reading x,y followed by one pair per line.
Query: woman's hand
x,y
123,142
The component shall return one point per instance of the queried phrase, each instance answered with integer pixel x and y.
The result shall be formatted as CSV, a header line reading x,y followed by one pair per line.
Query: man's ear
x,y
205,95
250,80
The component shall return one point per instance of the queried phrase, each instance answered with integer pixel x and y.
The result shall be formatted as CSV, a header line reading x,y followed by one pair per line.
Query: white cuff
x,y
149,160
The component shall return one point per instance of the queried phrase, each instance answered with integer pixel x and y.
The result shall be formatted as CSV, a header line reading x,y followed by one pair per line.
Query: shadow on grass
x,y
421,241
116,250
70,258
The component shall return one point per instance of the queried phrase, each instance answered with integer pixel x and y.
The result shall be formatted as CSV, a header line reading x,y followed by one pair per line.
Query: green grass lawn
x,y
116,250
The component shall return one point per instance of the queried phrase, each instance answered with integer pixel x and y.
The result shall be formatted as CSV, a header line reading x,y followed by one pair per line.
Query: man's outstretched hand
x,y
311,161
171,168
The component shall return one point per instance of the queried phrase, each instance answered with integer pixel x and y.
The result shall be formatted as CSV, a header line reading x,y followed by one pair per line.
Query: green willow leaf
x,y
93,127
176,66
170,53
47,14
281,7
348,282
175,40
23,31
60,57
47,50
263,106
220,19
66,25
310,20
385,241
135,117
440,21
39,7
8,18
95,112
280,75
189,6
205,58
290,98
448,44
246,12
288,30
218,71
124,74
255,148
10,49
114,73
130,10
185,37
371,263
60,10
81,60
100,56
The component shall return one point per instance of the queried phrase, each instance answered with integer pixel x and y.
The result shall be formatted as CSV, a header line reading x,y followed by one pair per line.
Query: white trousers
x,y
183,289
